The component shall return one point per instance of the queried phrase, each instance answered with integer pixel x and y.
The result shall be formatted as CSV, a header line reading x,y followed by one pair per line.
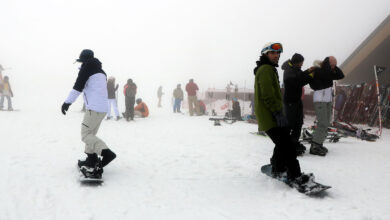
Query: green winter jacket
x,y
268,97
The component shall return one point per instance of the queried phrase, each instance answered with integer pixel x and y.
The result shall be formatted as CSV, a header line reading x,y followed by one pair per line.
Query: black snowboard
x,y
313,189
85,179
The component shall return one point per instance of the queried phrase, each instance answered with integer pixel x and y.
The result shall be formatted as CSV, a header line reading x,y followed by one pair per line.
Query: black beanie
x,y
297,58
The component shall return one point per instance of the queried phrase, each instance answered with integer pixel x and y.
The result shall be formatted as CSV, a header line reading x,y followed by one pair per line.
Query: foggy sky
x,y
167,42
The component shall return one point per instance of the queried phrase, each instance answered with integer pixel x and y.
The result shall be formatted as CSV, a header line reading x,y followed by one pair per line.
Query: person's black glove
x,y
65,108
281,120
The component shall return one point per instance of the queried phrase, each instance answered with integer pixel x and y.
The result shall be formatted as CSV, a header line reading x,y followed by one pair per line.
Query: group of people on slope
x,y
129,91
320,78
194,104
282,117
5,91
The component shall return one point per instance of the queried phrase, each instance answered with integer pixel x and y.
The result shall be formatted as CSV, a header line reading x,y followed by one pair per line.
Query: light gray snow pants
x,y
89,129
324,115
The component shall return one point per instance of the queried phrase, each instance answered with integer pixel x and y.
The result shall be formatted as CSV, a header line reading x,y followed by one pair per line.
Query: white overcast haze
x,y
167,42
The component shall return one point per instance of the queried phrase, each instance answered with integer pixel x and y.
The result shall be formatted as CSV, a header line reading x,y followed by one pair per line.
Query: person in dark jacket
x,y
322,85
294,79
111,90
236,109
92,81
130,92
268,109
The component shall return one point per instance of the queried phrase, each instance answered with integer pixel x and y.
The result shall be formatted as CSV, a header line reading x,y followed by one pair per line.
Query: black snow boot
x,y
300,149
317,149
303,182
108,156
118,118
90,161
324,148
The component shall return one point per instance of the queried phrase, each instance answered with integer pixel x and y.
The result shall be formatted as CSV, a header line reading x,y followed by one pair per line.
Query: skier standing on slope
x,y
130,91
92,81
268,109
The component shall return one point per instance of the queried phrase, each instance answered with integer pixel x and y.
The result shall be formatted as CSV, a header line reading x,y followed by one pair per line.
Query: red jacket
x,y
191,89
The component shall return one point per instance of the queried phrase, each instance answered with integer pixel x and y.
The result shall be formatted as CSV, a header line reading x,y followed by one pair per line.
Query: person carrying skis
x,y
6,91
111,89
268,110
322,85
91,80
294,79
130,92
178,95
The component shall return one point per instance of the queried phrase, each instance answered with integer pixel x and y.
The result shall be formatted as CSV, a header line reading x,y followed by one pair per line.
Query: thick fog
x,y
168,42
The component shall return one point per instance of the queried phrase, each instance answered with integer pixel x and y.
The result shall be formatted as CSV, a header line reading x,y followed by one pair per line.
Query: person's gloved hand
x,y
281,120
64,108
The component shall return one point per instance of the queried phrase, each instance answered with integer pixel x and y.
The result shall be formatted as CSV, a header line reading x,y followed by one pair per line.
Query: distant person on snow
x,y
141,110
268,109
236,109
1,74
159,96
178,95
130,90
191,89
6,91
202,107
322,84
294,79
111,89
91,80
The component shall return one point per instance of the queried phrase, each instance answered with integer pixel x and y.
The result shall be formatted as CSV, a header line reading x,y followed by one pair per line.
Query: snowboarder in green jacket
x,y
269,113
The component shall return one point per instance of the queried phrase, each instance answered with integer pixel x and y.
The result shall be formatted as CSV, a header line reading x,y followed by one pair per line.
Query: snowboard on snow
x,y
87,178
312,188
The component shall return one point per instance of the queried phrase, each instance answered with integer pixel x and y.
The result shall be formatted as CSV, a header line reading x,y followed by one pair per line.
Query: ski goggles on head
x,y
277,47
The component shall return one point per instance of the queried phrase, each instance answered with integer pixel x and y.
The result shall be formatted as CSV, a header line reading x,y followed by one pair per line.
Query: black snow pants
x,y
129,103
294,114
284,157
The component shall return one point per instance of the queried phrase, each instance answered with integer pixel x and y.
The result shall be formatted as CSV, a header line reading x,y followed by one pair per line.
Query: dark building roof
x,y
374,50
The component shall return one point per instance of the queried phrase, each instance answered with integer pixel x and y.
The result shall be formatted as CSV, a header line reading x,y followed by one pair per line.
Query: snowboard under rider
x,y
92,81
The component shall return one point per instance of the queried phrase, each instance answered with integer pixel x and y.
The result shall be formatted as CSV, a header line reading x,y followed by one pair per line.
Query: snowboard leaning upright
x,y
312,188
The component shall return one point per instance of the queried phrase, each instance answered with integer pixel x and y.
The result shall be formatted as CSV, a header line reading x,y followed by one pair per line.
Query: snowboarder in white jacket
x,y
92,81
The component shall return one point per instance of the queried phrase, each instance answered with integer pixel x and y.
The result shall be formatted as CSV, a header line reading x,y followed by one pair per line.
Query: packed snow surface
x,y
173,166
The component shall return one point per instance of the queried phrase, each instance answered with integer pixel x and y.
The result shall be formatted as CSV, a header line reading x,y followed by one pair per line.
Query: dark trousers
x,y
284,157
294,114
129,103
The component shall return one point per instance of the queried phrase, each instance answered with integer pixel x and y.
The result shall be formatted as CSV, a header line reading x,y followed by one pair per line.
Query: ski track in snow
x,y
172,166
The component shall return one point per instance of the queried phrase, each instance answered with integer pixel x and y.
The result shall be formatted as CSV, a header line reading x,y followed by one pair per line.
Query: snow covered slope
x,y
172,166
